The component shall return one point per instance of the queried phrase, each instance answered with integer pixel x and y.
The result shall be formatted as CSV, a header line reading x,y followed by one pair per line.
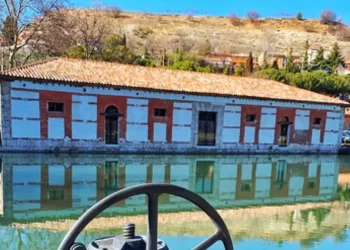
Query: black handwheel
x,y
152,191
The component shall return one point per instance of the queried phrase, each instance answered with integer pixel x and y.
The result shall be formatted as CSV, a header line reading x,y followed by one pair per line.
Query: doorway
x,y
206,128
111,125
284,132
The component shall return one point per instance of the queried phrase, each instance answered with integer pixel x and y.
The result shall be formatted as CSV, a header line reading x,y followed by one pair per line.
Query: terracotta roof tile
x,y
128,76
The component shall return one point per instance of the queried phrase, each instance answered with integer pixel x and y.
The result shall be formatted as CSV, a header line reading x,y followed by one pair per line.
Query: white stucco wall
x,y
316,136
137,120
249,134
182,121
332,128
159,132
232,123
25,113
84,116
56,128
302,119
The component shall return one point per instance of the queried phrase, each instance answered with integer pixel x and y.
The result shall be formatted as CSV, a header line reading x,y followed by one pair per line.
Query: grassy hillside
x,y
242,36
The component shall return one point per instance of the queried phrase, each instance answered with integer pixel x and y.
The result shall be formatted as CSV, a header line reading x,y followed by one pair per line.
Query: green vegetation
x,y
319,76
316,81
300,16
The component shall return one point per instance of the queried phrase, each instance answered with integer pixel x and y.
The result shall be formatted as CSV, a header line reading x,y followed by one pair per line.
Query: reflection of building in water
x,y
64,187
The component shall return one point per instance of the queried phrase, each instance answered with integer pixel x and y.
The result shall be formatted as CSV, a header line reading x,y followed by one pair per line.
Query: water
x,y
269,202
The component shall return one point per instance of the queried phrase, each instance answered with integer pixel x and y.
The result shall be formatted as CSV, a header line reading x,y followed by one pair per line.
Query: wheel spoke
x,y
152,234
209,241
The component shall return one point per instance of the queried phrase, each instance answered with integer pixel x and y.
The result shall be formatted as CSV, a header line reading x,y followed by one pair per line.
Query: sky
x,y
266,8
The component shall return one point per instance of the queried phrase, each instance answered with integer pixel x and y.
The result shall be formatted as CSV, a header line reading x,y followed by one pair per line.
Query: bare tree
x,y
92,30
26,17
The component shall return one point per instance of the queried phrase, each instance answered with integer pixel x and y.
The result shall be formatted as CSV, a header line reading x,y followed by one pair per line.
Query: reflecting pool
x,y
267,201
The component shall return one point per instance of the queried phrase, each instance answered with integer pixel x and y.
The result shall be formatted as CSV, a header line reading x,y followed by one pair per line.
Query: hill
x,y
225,35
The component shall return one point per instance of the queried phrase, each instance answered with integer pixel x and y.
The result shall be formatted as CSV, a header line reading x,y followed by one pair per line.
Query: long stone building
x,y
76,105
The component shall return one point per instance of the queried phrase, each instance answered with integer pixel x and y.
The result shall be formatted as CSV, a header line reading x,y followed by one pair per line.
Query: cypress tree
x,y
250,63
335,59
275,64
305,65
8,30
319,62
290,65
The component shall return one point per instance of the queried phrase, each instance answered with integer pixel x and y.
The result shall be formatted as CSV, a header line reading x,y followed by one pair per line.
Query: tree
x,y
305,64
328,17
240,70
300,16
319,62
253,15
250,63
290,64
205,48
25,18
92,30
8,30
235,20
265,64
114,50
335,59
274,64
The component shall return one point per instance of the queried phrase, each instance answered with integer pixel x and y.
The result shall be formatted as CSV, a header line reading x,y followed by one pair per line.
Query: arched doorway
x,y
111,125
284,132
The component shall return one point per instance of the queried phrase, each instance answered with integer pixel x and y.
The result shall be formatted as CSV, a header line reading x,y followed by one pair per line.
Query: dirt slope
x,y
191,32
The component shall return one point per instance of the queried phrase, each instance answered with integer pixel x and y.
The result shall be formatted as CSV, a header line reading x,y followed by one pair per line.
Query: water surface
x,y
51,188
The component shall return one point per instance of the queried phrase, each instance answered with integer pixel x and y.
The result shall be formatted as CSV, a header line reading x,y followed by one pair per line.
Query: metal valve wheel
x,y
152,191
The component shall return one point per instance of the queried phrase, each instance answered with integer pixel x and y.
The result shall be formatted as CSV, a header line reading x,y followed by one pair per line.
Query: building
x,y
75,105
219,61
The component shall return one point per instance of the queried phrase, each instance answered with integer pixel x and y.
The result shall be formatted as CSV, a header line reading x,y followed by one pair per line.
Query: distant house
x,y
219,61
280,58
312,53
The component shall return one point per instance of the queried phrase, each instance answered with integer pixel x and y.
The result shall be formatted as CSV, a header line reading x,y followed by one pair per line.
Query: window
x,y
245,187
55,107
251,118
55,195
317,121
159,112
311,184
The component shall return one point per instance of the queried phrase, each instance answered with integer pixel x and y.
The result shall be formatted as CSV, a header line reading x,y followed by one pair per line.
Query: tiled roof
x,y
75,71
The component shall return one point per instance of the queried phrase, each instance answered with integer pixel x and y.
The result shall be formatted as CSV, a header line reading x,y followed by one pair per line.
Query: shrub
x,y
240,70
235,20
299,16
328,17
115,11
253,15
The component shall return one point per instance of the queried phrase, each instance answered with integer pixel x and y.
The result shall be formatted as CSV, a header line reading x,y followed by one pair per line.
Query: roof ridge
x,y
43,61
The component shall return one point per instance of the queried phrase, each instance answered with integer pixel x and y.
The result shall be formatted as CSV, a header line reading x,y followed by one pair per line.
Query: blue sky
x,y
267,8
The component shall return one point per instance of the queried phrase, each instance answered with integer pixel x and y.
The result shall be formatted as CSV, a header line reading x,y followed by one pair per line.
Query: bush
x,y
316,81
115,11
235,20
328,17
253,15
300,16
240,70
